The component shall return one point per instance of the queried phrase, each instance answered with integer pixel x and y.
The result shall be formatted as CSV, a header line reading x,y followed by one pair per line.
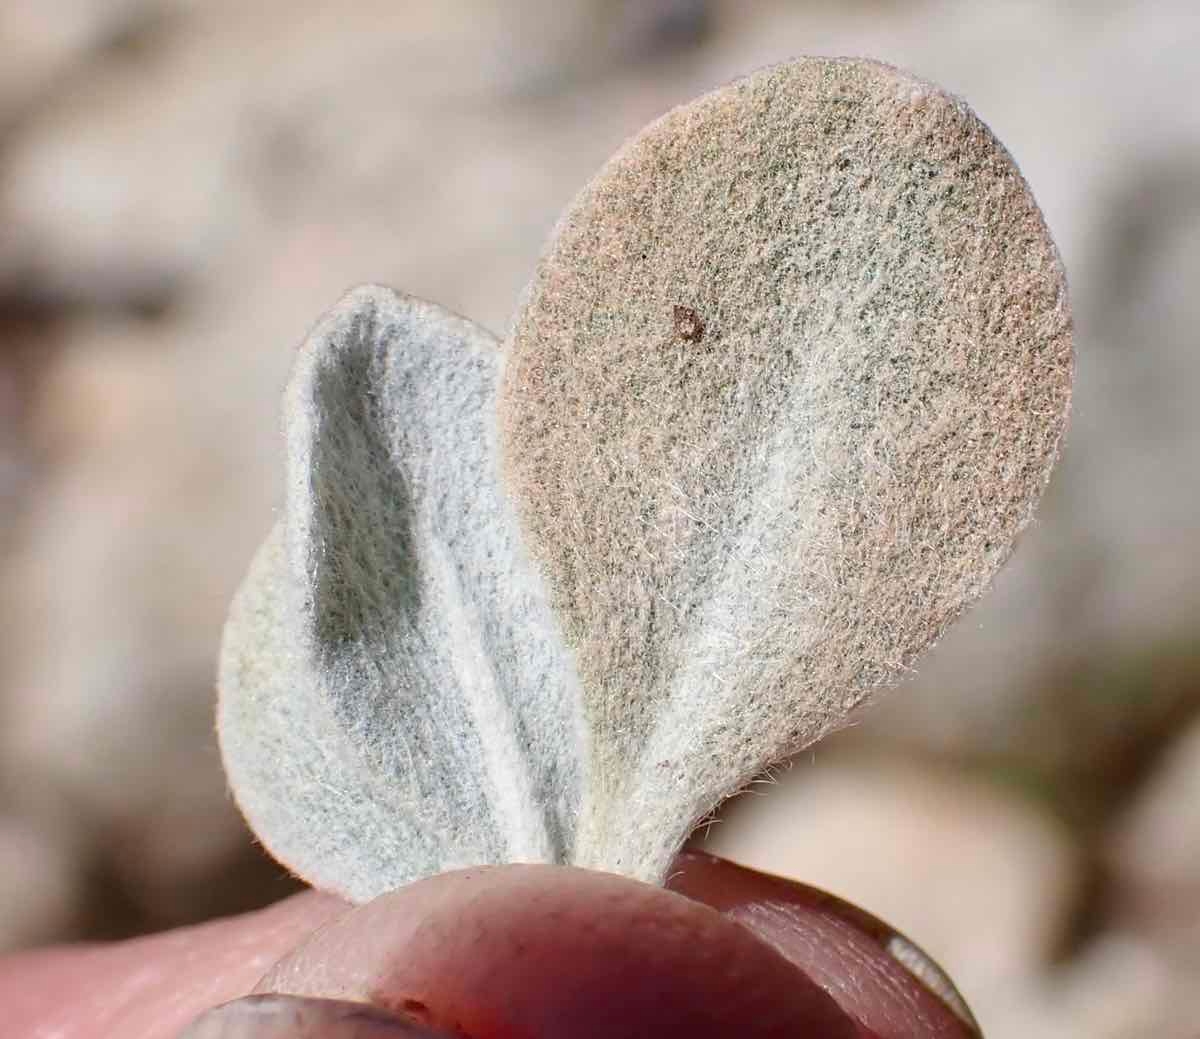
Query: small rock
x,y
40,43
122,185
1154,851
1118,987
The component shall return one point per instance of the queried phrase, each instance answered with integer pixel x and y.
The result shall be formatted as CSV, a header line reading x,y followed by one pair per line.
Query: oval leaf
x,y
787,383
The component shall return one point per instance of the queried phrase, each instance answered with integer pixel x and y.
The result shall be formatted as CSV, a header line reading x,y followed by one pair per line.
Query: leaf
x,y
395,697
786,385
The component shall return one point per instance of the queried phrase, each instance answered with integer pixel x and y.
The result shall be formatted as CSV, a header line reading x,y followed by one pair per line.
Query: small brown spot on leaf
x,y
688,325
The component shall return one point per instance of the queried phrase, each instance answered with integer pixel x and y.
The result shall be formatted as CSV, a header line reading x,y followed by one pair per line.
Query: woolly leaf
x,y
786,385
395,696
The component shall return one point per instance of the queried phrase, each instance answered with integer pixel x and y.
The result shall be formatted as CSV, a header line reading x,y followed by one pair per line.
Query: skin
x,y
512,952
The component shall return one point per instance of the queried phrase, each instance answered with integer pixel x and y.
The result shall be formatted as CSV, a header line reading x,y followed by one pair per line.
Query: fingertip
x,y
878,975
543,952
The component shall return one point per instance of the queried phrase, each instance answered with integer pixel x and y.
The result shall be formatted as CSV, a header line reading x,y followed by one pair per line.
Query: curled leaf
x,y
395,697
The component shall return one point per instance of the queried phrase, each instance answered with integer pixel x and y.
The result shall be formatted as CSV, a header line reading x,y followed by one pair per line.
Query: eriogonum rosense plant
x,y
786,384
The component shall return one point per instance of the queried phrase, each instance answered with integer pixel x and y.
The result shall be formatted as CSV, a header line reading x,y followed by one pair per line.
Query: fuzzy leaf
x,y
395,698
787,383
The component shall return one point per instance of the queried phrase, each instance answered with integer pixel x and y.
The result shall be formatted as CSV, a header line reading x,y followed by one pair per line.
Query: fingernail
x,y
821,934
272,1016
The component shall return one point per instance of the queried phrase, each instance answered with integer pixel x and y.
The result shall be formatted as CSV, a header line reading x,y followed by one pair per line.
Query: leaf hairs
x,y
787,382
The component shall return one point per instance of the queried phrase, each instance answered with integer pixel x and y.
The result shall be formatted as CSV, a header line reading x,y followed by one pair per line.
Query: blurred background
x,y
186,184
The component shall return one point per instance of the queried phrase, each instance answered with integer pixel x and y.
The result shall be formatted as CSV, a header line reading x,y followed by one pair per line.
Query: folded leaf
x,y
787,383
395,696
